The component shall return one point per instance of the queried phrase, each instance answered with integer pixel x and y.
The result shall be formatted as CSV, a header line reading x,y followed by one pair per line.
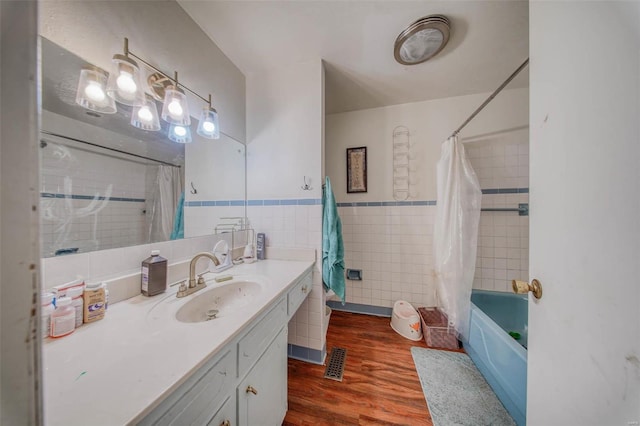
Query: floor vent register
x,y
335,365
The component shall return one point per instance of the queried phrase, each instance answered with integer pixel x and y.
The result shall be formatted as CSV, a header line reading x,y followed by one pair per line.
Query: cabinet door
x,y
200,397
262,395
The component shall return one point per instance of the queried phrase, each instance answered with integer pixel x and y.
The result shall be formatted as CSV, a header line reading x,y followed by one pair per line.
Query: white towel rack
x,y
401,159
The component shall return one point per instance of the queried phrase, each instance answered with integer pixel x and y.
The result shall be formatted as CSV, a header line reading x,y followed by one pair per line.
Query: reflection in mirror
x,y
107,184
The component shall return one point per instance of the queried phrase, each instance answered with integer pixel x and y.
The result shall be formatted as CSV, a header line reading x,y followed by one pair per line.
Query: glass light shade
x,y
179,133
145,116
208,126
124,81
422,45
175,109
92,91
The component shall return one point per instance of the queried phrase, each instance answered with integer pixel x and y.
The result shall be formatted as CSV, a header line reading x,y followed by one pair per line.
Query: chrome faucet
x,y
194,286
220,252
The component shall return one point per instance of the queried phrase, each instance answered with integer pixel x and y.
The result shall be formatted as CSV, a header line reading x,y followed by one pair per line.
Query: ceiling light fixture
x,y
422,40
97,91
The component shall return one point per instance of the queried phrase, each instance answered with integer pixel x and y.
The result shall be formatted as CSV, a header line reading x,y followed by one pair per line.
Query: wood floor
x,y
380,385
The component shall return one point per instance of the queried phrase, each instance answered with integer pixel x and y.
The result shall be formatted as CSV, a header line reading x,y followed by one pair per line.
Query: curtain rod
x,y
490,98
44,132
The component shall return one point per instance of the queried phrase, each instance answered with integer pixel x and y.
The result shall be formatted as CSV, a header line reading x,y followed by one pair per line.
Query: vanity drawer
x,y
298,293
258,339
200,397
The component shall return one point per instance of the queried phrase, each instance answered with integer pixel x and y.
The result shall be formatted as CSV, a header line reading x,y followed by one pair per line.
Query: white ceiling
x,y
489,40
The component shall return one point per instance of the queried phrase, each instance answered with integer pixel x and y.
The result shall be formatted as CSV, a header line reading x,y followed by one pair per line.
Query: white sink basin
x,y
218,301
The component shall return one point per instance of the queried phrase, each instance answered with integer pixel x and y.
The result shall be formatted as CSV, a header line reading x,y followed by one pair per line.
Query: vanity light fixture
x,y
179,133
145,116
175,109
124,79
208,126
97,91
92,91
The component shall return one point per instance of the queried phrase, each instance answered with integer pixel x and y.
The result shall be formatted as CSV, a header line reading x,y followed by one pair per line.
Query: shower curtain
x,y
164,200
456,234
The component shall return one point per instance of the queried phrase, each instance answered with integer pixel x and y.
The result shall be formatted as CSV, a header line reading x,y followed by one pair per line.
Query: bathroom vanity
x,y
141,365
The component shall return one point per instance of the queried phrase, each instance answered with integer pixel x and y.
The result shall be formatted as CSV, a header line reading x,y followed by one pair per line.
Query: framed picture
x,y
357,169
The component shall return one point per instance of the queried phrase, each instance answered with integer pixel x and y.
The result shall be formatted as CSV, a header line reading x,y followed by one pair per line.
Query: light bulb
x,y
94,91
175,109
125,83
179,130
208,126
144,114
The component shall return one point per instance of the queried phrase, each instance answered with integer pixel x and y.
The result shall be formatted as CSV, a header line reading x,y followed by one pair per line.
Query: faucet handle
x,y
200,279
182,289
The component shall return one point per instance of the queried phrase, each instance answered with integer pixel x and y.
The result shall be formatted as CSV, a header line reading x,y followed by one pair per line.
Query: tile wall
x,y
70,179
502,167
392,242
393,246
205,217
297,224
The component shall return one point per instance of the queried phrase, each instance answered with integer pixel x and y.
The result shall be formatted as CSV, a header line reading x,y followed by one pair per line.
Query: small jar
x,y
77,301
63,319
46,300
94,300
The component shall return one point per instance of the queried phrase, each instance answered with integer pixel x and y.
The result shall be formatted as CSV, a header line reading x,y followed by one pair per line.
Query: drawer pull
x,y
251,389
304,289
225,423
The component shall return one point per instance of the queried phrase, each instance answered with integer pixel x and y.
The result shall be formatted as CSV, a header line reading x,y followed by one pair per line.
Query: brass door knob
x,y
251,389
523,287
225,423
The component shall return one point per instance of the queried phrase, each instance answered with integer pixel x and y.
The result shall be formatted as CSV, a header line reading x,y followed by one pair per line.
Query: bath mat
x,y
335,366
455,391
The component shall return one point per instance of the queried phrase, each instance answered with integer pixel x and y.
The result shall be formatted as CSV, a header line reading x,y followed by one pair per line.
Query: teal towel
x,y
178,220
332,245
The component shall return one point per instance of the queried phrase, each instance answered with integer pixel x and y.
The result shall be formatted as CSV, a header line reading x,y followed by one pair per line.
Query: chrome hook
x,y
306,186
193,189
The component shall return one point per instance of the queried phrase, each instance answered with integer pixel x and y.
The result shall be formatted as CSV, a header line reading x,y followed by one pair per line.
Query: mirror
x,y
106,184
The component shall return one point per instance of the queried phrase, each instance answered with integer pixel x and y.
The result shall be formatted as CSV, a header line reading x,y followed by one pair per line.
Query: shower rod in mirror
x,y
99,91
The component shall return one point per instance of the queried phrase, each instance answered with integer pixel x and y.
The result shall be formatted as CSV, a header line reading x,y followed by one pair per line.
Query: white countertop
x,y
116,370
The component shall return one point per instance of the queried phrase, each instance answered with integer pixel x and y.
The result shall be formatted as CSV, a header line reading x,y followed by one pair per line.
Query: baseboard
x,y
313,356
357,308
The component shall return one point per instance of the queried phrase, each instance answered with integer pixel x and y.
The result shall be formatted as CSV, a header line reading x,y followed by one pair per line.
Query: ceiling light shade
x,y
208,126
145,116
175,109
422,40
179,133
92,91
124,81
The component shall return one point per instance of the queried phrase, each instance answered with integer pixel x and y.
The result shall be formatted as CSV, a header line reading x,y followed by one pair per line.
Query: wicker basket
x,y
437,333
